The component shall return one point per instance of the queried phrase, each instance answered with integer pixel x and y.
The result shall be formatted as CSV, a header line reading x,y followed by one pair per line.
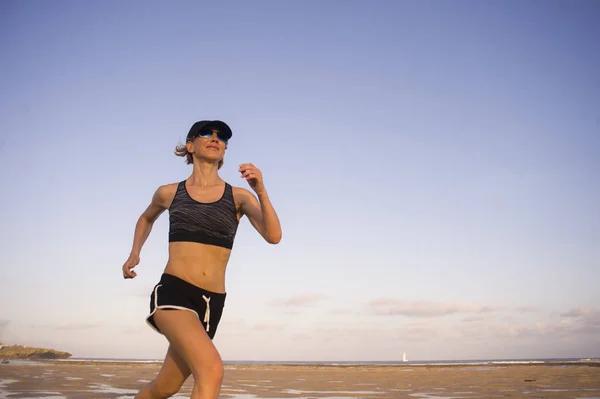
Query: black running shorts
x,y
174,293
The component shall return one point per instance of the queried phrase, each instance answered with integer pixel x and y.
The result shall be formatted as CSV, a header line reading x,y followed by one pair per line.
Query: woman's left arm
x,y
260,211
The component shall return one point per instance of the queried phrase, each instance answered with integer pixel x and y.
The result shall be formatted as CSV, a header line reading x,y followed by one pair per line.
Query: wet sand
x,y
72,379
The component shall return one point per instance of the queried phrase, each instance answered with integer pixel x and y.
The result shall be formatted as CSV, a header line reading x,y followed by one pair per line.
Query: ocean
x,y
360,363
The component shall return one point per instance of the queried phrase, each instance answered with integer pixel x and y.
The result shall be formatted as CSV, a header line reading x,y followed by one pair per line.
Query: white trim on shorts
x,y
156,307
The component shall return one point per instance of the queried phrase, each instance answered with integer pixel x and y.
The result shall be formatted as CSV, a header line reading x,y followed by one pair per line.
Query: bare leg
x,y
169,380
189,339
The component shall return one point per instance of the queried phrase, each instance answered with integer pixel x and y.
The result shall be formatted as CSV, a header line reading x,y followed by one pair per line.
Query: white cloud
x,y
67,326
527,309
469,319
584,320
393,307
572,323
581,312
75,326
300,300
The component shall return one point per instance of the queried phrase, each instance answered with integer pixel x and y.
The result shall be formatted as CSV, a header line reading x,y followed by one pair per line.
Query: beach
x,y
120,380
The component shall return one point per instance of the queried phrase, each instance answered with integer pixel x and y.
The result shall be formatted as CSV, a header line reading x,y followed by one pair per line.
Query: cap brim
x,y
217,125
222,127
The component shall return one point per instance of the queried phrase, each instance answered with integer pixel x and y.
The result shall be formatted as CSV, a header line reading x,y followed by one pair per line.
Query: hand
x,y
129,265
253,176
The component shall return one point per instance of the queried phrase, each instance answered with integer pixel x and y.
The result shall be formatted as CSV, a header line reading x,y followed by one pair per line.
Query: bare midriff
x,y
199,264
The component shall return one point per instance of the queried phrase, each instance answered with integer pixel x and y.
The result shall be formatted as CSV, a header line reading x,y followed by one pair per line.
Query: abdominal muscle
x,y
199,264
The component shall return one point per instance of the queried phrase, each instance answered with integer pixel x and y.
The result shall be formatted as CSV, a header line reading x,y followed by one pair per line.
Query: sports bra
x,y
212,223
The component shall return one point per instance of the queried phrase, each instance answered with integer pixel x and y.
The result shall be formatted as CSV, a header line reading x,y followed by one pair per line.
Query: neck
x,y
205,174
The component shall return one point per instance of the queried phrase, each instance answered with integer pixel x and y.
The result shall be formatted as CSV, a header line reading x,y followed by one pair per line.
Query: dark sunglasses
x,y
209,133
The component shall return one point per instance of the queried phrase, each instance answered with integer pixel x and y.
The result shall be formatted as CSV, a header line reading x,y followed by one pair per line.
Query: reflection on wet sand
x,y
122,380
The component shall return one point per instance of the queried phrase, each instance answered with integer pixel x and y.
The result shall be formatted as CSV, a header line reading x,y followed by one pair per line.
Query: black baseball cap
x,y
217,125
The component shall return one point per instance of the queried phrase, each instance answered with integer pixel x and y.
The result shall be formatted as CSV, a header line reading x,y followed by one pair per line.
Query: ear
x,y
189,146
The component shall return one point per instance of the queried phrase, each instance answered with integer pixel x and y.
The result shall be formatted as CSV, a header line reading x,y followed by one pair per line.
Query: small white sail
x,y
404,357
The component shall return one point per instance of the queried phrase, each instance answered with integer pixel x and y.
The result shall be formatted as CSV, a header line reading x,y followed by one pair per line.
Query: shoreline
x,y
334,365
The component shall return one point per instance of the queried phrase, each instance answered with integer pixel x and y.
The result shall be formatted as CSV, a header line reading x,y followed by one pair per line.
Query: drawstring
x,y
207,313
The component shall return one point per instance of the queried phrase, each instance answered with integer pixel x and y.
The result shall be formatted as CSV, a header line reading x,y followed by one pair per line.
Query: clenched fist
x,y
253,176
131,262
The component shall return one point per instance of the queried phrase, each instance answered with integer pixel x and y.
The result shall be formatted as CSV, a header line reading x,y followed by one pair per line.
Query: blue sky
x,y
434,165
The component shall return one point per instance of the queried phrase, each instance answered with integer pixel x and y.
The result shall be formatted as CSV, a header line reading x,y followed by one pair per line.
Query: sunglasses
x,y
209,133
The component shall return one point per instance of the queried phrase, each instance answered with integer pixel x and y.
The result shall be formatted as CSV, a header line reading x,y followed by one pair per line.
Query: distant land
x,y
24,352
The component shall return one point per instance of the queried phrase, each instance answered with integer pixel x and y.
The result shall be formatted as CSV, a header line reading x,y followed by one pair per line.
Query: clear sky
x,y
435,166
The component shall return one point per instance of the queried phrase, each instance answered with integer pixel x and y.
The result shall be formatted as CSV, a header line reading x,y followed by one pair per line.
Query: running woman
x,y
204,213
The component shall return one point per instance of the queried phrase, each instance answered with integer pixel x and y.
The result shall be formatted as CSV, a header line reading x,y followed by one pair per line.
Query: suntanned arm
x,y
160,202
262,215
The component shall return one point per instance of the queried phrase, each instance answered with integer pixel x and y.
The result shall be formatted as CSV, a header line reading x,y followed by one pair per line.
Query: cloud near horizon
x,y
583,320
575,323
476,322
300,300
528,309
494,321
69,326
581,312
394,307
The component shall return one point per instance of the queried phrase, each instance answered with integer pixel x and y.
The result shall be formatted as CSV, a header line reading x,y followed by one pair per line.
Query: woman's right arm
x,y
161,200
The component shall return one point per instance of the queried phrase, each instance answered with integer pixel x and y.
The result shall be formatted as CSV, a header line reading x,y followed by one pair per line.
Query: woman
x,y
204,213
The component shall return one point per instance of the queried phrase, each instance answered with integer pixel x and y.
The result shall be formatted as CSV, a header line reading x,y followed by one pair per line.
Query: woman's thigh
x,y
188,338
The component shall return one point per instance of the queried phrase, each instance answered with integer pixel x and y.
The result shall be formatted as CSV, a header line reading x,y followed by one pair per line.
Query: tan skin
x,y
191,352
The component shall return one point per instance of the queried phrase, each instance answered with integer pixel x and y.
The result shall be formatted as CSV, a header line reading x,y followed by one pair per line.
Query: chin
x,y
208,158
213,159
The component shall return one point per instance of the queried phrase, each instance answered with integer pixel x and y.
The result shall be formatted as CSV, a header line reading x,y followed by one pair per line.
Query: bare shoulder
x,y
161,201
168,188
240,195
164,194
246,203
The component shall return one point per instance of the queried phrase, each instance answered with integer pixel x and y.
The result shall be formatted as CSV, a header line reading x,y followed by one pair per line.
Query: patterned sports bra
x,y
212,223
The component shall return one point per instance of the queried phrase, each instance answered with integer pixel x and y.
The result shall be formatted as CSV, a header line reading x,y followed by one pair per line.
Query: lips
x,y
212,146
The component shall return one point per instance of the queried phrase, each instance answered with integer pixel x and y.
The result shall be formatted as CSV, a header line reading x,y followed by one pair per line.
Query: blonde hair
x,y
181,151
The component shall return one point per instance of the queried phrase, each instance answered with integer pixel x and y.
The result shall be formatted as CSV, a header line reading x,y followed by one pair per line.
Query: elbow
x,y
144,221
274,238
149,219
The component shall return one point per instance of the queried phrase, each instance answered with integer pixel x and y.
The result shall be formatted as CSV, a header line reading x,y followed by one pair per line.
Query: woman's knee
x,y
217,370
210,372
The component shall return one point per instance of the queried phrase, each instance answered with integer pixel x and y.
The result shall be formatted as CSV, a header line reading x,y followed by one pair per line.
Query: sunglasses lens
x,y
208,133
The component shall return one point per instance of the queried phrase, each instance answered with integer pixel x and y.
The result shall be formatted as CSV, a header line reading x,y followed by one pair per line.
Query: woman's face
x,y
209,145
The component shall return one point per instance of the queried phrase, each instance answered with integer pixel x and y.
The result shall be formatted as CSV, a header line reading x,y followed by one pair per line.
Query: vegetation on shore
x,y
23,352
